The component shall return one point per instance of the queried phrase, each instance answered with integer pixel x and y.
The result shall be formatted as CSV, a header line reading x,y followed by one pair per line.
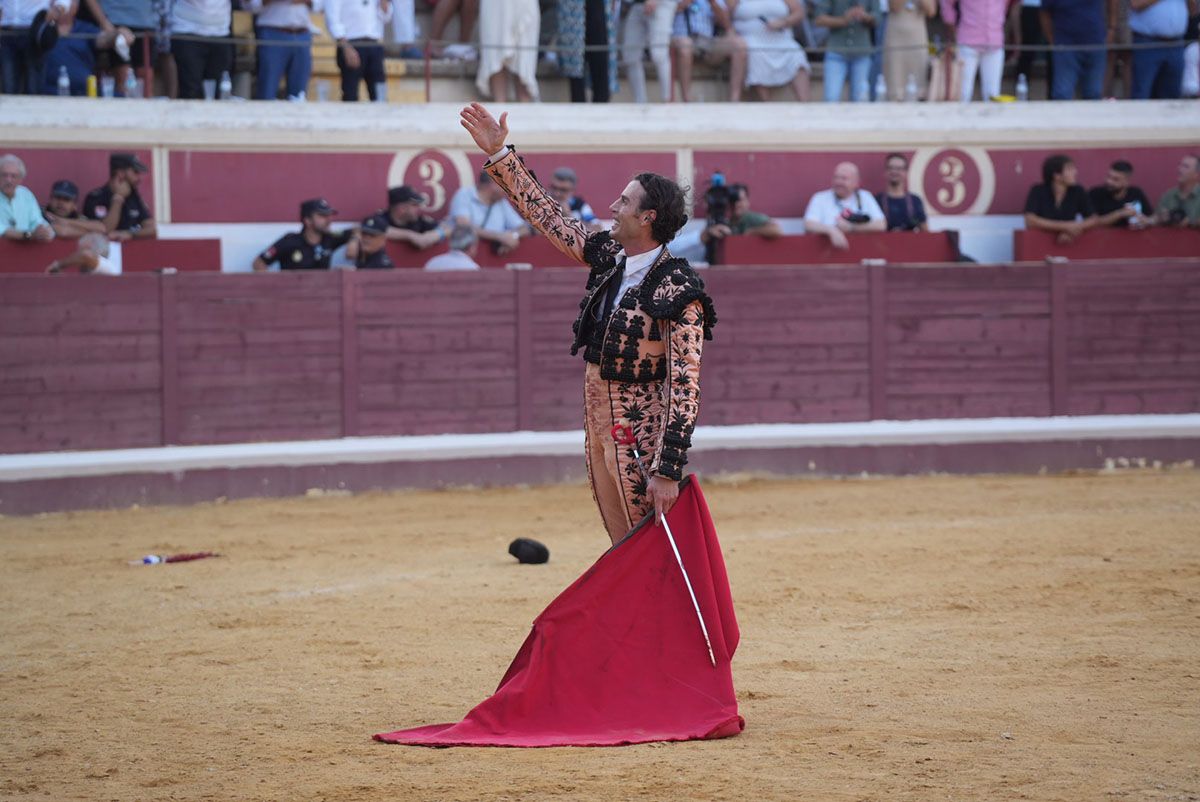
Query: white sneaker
x,y
461,52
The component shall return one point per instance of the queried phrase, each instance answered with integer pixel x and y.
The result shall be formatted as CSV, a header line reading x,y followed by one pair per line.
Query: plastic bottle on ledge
x,y
131,84
1022,88
225,88
880,88
911,92
64,82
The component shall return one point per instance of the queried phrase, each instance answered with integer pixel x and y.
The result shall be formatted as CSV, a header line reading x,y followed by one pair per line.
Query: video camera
x,y
718,200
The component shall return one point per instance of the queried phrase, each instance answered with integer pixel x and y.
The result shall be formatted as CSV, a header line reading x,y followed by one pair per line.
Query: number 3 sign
x,y
954,180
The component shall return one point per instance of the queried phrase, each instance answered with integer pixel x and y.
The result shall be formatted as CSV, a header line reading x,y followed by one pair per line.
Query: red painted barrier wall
x,y
1109,243
896,247
89,362
137,256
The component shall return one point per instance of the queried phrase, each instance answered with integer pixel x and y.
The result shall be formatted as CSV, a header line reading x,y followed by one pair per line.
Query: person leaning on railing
x,y
1180,205
844,208
1058,204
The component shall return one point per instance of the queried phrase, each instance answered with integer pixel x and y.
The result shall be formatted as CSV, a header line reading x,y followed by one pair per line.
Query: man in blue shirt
x,y
1078,24
1157,70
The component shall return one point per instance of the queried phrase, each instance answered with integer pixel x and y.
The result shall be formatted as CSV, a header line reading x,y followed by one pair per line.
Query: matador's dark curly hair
x,y
666,199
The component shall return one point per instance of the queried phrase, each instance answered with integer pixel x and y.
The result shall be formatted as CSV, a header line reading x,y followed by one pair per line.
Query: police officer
x,y
407,223
117,204
370,248
310,248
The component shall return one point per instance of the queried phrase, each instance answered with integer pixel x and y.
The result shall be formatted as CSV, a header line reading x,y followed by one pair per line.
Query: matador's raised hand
x,y
488,134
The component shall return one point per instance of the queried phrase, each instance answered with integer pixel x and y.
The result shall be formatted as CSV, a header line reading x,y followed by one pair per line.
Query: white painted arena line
x,y
426,448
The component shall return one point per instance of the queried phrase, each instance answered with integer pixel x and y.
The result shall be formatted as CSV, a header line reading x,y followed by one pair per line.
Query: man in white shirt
x,y
357,26
197,28
488,212
843,209
284,35
22,61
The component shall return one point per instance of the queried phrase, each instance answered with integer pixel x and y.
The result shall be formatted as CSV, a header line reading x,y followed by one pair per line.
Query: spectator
x,y
843,209
284,35
19,212
312,247
461,256
443,11
79,42
488,212
904,210
198,28
978,32
775,57
587,34
29,32
1058,204
1180,205
368,247
562,188
62,212
648,23
1068,24
1157,63
1120,55
1028,35
848,47
1118,204
118,205
694,33
508,40
357,27
138,17
90,257
907,47
406,222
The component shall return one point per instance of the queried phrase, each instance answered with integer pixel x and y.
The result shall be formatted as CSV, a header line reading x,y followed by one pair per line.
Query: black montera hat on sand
x,y
529,551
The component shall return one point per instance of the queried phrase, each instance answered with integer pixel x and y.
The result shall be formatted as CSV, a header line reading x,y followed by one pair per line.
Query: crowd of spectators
x,y
113,210
481,213
871,49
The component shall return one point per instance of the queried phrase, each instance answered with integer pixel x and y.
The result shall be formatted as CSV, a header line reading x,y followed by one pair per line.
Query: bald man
x,y
843,209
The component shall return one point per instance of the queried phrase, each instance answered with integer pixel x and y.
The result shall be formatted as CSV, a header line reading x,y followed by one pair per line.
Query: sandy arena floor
x,y
923,639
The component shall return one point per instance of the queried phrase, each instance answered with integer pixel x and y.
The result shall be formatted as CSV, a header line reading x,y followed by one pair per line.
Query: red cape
x,y
618,657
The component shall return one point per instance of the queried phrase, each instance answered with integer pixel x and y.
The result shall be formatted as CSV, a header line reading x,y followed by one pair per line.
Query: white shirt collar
x,y
636,267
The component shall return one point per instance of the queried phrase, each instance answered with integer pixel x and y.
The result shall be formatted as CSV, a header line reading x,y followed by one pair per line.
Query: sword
x,y
623,435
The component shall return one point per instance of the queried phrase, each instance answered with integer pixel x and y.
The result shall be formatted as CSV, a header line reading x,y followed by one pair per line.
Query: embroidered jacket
x,y
655,334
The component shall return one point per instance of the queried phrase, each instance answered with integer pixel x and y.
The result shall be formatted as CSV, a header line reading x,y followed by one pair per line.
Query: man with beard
x,y
1118,203
118,205
310,248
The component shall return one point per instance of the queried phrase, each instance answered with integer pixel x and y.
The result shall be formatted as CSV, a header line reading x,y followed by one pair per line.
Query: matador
x,y
641,327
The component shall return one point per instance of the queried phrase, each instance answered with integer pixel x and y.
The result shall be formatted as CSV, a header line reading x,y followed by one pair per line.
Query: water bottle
x,y
1022,88
880,88
225,88
130,84
64,82
910,89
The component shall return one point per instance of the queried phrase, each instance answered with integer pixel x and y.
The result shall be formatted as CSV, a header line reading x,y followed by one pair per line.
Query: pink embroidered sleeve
x,y
539,209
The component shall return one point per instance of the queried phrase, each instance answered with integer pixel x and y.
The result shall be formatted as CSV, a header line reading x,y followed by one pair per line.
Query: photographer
x,y
729,214
843,209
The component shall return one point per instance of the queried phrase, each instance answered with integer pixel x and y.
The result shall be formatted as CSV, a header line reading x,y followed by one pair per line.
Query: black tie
x,y
614,286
